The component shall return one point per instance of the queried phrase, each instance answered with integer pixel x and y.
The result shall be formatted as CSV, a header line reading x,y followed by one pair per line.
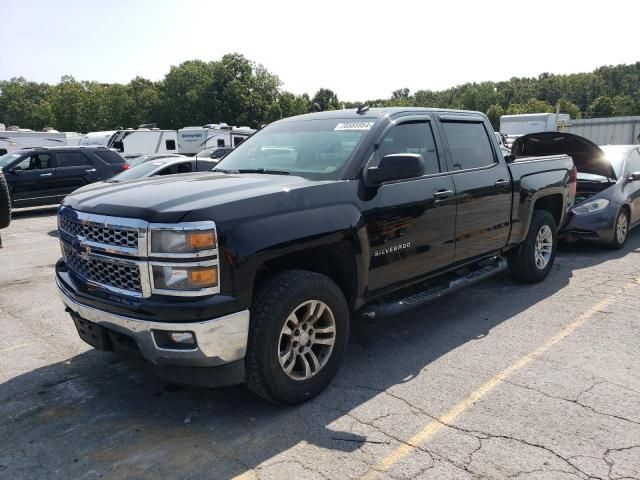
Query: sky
x,y
360,49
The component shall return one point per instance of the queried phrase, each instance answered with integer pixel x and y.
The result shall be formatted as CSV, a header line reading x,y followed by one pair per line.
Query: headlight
x,y
185,240
188,278
591,207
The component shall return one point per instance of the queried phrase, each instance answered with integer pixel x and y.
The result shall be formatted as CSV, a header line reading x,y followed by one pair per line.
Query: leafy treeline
x,y
240,92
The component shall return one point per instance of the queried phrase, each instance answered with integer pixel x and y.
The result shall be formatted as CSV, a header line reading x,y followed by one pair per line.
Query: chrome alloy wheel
x,y
622,226
544,247
306,340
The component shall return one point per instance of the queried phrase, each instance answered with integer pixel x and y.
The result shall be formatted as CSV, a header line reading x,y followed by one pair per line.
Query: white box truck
x,y
532,123
192,140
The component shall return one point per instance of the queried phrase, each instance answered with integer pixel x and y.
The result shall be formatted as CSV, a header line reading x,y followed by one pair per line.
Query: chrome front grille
x,y
104,235
114,273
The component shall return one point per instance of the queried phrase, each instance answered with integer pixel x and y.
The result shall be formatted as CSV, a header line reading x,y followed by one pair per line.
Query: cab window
x,y
412,137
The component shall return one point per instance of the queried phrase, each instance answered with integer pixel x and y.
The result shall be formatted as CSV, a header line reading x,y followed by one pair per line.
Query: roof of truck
x,y
374,113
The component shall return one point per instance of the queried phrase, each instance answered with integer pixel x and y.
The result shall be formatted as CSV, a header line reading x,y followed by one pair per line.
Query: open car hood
x,y
587,156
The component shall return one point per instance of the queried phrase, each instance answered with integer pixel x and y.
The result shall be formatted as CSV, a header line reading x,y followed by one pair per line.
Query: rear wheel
x,y
298,335
533,259
620,229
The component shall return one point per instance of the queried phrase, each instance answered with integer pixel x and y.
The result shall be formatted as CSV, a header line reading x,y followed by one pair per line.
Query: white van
x,y
133,143
192,140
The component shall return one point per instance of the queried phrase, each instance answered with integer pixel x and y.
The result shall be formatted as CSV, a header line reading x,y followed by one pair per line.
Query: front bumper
x,y
596,227
219,341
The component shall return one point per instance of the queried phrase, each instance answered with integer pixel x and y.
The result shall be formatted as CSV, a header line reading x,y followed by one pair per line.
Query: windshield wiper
x,y
254,170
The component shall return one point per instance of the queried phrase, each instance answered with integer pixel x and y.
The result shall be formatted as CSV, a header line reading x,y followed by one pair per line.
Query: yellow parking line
x,y
435,426
15,347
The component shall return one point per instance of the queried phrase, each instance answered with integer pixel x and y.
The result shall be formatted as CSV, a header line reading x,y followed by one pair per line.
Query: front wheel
x,y
298,335
533,259
620,229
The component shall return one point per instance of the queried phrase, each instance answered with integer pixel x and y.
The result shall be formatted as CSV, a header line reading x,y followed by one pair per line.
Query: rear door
x,y
482,183
410,223
32,179
74,169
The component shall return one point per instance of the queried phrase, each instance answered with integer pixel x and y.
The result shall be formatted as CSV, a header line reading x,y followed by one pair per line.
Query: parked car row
x,y
43,176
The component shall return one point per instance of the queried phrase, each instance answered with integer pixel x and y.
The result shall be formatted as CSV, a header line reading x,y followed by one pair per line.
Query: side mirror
x,y
15,170
397,166
510,158
634,177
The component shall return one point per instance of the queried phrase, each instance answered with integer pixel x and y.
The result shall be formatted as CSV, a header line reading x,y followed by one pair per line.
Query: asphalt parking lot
x,y
502,380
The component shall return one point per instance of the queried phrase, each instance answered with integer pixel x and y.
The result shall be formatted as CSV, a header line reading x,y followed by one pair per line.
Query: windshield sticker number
x,y
354,126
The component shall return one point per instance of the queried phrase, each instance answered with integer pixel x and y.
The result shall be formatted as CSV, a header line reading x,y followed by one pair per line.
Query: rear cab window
x,y
469,144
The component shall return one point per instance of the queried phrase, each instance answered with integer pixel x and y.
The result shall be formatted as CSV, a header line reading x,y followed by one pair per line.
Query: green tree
x,y
602,107
494,113
183,95
566,106
324,99
538,106
624,105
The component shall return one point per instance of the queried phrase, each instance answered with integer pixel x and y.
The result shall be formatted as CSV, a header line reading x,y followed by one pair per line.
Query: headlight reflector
x,y
189,278
591,207
182,241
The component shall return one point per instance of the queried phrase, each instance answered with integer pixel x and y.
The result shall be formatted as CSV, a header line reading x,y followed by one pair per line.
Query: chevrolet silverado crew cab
x,y
252,271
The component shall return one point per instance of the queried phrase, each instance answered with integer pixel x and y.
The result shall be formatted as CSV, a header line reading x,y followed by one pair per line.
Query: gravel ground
x,y
502,380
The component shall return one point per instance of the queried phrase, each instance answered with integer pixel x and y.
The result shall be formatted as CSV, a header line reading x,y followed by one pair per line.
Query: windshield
x,y
317,149
616,156
134,173
139,160
205,153
9,158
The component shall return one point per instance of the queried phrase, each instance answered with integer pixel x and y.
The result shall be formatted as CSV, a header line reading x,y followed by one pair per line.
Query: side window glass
x,y
72,159
469,144
35,162
184,168
412,137
221,142
170,144
237,141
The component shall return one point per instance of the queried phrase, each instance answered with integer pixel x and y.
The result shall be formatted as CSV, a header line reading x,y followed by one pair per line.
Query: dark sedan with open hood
x,y
607,203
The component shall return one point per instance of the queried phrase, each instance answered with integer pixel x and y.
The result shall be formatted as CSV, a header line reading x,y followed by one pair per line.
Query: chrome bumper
x,y
219,341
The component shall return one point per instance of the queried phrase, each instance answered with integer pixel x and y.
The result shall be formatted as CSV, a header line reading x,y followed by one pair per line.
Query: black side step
x,y
434,292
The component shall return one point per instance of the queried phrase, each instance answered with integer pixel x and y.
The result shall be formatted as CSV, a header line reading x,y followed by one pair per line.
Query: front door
x,y
483,187
410,223
32,180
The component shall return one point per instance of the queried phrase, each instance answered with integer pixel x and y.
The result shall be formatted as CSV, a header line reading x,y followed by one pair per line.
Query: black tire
x,y
616,242
5,203
275,301
522,261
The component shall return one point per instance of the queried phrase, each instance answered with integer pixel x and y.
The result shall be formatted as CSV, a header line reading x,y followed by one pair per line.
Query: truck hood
x,y
587,156
168,199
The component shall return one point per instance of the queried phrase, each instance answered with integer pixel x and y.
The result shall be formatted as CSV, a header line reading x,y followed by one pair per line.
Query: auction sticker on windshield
x,y
354,126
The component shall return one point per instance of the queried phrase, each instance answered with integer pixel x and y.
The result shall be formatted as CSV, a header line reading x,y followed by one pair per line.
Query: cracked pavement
x,y
572,412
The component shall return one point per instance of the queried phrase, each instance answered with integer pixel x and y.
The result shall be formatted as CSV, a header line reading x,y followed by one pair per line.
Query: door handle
x,y
46,174
90,170
502,183
442,194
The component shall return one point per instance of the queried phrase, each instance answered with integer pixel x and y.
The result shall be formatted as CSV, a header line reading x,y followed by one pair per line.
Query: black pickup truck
x,y
251,272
